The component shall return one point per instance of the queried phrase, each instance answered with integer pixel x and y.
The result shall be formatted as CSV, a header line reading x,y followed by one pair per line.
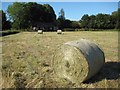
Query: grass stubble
x,y
27,59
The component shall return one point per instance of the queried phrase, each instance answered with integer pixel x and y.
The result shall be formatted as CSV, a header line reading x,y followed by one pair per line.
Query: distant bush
x,y
86,29
103,29
68,29
8,32
82,29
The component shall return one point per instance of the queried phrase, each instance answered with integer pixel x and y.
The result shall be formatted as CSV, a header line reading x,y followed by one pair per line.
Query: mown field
x,y
27,57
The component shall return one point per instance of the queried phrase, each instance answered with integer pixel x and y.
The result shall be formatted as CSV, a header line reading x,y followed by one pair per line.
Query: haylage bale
x,y
77,61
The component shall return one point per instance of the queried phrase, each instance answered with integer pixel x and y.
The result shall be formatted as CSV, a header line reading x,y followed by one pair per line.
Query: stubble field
x,y
27,57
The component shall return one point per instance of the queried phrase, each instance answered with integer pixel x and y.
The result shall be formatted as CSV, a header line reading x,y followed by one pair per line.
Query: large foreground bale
x,y
59,31
78,61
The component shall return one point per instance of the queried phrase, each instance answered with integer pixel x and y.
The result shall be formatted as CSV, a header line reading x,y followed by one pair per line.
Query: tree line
x,y
25,15
101,21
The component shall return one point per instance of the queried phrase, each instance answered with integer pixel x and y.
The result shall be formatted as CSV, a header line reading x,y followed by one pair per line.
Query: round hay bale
x,y
40,31
78,61
35,28
59,31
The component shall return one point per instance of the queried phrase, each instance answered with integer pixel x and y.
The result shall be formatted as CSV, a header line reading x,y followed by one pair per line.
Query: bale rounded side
x,y
78,61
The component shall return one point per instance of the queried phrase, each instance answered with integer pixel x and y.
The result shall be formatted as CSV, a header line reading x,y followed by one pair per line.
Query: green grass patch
x,y
8,32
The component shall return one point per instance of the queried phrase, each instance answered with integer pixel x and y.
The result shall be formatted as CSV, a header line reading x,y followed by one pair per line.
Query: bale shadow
x,y
110,71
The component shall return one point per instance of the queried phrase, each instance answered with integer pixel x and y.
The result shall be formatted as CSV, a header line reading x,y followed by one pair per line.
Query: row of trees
x,y
25,15
101,21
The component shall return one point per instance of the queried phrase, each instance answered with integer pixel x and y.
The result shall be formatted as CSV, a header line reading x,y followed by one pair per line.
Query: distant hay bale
x,y
35,28
77,61
59,31
40,31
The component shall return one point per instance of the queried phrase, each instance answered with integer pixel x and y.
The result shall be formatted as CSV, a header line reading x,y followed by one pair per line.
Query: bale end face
x,y
70,64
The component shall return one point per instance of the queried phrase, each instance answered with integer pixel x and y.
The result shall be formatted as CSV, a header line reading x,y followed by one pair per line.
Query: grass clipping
x,y
77,61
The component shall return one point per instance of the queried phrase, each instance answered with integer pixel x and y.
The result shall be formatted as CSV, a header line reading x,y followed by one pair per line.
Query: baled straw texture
x,y
77,61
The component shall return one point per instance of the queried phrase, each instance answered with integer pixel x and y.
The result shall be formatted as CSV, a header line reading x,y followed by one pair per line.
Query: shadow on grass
x,y
8,32
110,71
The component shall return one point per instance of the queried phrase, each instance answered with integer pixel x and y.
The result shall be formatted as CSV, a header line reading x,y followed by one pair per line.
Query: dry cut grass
x,y
27,57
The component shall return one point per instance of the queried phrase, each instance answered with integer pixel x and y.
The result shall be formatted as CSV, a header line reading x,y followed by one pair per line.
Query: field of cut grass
x,y
27,56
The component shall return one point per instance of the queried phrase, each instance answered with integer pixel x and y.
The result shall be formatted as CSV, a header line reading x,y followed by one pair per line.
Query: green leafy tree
x,y
75,24
17,13
49,15
25,15
100,21
67,23
61,19
117,26
108,22
92,21
34,13
85,21
5,23
0,20
62,14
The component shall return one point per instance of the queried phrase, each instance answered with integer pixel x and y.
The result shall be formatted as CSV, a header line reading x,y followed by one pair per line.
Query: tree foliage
x,y
101,21
117,18
62,14
85,21
5,23
0,20
25,15
75,24
61,19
